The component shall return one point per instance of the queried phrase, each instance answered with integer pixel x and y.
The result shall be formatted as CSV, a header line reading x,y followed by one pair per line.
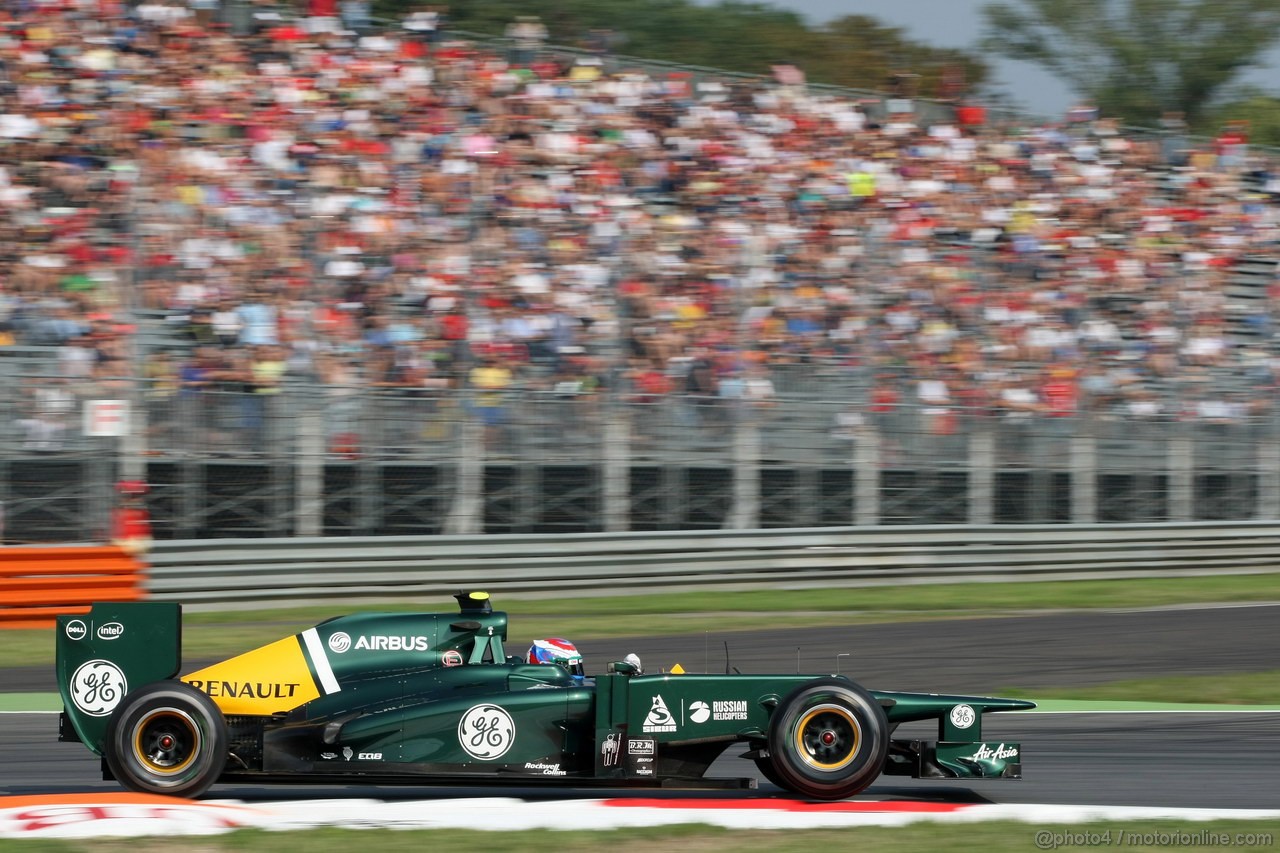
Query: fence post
x,y
193,474
100,470
866,476
133,443
746,475
309,469
1181,462
466,516
1268,450
1084,473
368,467
982,473
617,469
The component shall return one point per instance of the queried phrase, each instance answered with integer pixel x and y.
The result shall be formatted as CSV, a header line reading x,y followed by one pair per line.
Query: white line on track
x,y
1159,608
1162,711
92,815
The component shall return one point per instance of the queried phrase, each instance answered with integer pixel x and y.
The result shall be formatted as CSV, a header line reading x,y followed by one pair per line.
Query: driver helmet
x,y
557,651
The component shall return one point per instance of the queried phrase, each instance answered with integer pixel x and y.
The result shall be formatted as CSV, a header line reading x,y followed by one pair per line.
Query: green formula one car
x,y
392,698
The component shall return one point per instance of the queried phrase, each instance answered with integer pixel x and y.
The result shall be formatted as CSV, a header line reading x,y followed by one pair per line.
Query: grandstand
x,y
358,283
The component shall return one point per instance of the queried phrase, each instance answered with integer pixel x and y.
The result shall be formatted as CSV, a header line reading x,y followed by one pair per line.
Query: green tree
x,y
1138,59
1260,111
750,37
860,48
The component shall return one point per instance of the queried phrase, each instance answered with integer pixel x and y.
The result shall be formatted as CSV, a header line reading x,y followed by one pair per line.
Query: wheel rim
x,y
166,741
827,737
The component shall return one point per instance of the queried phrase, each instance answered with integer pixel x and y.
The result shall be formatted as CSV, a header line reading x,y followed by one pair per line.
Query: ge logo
x,y
486,732
97,687
963,716
339,642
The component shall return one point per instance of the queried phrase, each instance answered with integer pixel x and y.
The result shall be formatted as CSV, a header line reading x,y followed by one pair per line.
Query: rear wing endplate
x,y
114,648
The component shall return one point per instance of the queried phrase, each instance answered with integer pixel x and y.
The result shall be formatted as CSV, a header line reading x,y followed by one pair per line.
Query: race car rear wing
x,y
103,654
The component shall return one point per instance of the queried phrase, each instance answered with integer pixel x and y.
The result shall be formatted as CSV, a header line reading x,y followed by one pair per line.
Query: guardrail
x,y
37,584
225,574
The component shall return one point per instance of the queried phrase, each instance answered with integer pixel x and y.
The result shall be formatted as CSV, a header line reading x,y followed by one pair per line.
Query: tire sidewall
x,y
868,759
205,766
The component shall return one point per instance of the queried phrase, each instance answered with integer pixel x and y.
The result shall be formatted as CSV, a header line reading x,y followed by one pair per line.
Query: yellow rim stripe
x,y
141,753
803,750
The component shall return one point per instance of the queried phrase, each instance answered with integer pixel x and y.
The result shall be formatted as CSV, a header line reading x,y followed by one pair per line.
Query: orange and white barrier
x,y
39,583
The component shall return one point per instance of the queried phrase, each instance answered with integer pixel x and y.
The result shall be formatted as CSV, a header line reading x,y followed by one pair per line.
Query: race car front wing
x,y
927,760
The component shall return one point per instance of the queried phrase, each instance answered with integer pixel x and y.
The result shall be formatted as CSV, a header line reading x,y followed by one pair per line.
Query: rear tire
x,y
828,740
167,738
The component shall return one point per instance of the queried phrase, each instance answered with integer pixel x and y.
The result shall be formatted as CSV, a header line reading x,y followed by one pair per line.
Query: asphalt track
x,y
1185,760
1218,759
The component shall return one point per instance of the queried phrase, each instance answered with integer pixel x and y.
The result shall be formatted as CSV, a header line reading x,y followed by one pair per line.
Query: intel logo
x,y
110,631
76,630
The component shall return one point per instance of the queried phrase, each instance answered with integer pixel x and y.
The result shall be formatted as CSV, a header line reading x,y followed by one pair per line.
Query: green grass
x,y
993,837
222,633
1251,688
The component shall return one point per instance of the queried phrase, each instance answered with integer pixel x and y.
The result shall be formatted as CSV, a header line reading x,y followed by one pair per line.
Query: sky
x,y
958,23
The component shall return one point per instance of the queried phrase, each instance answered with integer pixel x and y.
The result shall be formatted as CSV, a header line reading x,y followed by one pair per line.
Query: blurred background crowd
x,y
322,201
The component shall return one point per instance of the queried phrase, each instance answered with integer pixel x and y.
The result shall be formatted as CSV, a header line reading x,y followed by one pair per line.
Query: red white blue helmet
x,y
557,651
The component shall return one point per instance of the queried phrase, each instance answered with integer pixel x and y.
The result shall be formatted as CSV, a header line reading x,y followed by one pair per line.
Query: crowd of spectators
x,y
312,200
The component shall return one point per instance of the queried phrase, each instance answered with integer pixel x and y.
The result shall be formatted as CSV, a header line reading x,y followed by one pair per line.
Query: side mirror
x,y
621,667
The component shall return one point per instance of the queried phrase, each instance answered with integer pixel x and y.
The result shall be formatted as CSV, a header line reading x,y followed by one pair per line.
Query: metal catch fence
x,y
315,460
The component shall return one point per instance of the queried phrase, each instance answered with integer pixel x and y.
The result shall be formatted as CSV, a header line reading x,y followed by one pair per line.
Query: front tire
x,y
828,740
167,738
765,766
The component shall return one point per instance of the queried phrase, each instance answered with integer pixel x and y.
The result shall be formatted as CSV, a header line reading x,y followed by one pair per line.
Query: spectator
x,y
701,388
355,15
424,24
161,383
526,35
46,412
491,379
338,197
1059,392
206,12
226,323
266,377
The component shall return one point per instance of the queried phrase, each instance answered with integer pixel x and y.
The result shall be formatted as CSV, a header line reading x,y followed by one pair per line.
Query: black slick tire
x,y
828,740
167,738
